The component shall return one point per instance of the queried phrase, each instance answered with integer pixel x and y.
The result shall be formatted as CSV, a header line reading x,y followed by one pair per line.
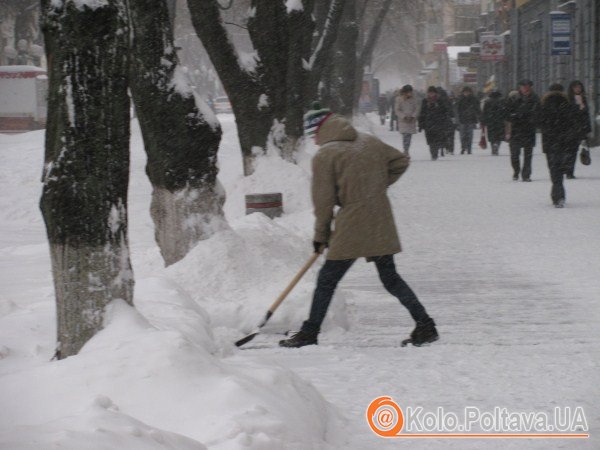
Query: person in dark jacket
x,y
391,107
492,120
382,107
521,114
433,119
469,113
576,94
450,124
557,119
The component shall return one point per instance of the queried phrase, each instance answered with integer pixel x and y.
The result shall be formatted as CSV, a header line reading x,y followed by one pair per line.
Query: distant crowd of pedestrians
x,y
562,117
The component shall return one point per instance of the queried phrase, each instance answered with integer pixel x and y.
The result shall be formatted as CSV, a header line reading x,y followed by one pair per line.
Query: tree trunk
x,y
344,77
321,61
252,107
300,28
181,137
367,51
84,197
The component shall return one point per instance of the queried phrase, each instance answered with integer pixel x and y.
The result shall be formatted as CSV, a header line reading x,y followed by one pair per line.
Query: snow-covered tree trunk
x,y
280,35
344,73
366,52
252,107
181,137
269,98
328,17
84,198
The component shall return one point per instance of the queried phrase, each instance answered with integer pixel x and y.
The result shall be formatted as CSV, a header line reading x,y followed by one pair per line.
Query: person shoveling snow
x,y
353,171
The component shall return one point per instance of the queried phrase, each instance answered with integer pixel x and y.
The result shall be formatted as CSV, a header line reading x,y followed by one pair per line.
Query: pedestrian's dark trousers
x,y
406,138
333,271
556,164
515,160
450,140
571,158
466,136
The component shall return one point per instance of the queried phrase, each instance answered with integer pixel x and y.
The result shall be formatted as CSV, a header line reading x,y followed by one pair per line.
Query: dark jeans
x,y
571,157
515,160
450,140
406,138
333,271
556,164
466,136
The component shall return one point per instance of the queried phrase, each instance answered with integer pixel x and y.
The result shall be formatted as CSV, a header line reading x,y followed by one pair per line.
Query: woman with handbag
x,y
583,126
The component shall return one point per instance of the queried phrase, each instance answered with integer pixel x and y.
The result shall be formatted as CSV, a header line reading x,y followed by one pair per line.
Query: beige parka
x,y
353,171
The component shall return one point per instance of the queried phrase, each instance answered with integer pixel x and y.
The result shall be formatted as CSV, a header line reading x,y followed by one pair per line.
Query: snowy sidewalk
x,y
512,283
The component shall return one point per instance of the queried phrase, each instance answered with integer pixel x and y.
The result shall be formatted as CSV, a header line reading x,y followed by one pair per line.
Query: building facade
x,y
546,41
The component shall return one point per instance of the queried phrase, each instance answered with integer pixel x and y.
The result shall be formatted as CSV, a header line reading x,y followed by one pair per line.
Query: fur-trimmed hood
x,y
555,97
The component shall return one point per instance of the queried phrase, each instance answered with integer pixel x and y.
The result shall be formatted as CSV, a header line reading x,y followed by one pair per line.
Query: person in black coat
x,y
433,118
382,107
557,120
450,124
492,119
391,107
469,113
521,114
576,94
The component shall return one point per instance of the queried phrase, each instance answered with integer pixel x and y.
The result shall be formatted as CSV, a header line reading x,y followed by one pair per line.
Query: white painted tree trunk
x,y
185,217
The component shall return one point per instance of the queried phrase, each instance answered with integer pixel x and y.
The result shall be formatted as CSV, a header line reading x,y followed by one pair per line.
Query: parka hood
x,y
554,97
336,128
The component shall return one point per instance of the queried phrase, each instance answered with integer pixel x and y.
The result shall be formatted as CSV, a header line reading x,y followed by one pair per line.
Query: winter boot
x,y
424,333
300,339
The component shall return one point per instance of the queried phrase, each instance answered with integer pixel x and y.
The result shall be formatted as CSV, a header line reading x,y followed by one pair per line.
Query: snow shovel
x,y
279,300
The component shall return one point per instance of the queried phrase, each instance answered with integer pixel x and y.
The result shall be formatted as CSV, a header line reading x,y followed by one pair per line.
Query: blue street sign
x,y
560,29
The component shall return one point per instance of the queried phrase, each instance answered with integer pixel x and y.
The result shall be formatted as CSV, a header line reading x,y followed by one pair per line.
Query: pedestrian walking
x,y
382,107
353,171
492,120
449,124
433,118
557,119
521,114
406,108
583,125
392,108
469,114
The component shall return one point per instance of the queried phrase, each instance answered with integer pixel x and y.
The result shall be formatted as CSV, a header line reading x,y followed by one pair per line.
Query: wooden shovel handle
x,y
294,282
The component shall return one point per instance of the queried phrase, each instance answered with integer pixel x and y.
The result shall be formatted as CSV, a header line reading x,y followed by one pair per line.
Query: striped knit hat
x,y
314,118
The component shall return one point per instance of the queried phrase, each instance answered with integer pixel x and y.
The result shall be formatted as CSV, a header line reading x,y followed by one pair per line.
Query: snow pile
x,y
237,274
143,375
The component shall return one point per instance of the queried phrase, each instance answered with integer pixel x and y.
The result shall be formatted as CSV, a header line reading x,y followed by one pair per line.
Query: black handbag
x,y
584,156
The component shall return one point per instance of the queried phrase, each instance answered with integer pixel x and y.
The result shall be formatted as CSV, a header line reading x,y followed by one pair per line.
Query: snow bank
x,y
146,382
236,275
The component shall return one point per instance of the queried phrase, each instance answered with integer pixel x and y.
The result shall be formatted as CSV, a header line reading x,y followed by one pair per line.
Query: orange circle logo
x,y
385,417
